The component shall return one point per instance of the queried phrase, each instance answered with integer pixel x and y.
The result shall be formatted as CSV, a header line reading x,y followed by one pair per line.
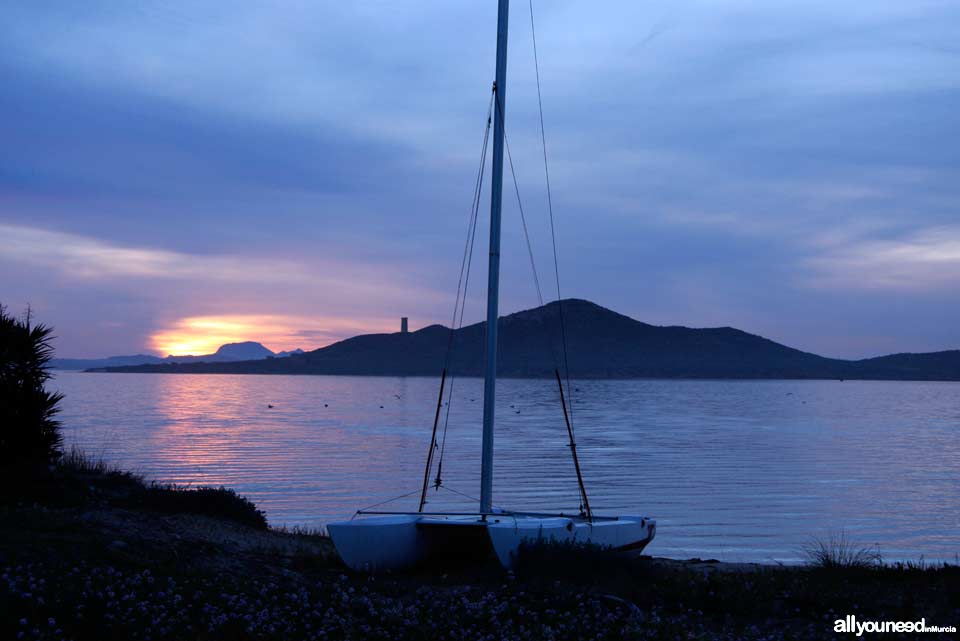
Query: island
x,y
595,342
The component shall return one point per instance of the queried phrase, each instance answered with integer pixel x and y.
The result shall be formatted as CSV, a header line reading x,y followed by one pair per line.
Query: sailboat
x,y
376,541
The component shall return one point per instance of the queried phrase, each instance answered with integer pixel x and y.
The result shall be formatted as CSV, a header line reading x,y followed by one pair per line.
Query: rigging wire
x,y
523,218
396,498
463,303
464,277
463,281
466,496
553,233
471,233
568,413
584,501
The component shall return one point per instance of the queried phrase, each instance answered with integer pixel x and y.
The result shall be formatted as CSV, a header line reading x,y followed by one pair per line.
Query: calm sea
x,y
733,470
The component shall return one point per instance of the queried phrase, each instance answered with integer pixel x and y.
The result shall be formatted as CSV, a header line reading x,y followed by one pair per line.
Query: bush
x,y
837,552
216,502
131,490
29,432
77,461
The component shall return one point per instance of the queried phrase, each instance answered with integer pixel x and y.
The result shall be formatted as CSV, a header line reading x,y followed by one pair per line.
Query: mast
x,y
493,277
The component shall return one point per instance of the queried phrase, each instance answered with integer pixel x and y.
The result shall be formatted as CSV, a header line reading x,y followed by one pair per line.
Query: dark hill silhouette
x,y
932,366
600,344
248,350
109,361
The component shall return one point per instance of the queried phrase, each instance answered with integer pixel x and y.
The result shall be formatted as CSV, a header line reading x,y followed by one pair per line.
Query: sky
x,y
174,175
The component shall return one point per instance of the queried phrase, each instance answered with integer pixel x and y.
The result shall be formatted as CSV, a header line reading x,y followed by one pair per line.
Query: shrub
x,y
216,502
77,461
29,432
837,552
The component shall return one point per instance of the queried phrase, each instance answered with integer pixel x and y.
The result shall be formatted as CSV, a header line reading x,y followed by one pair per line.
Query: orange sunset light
x,y
204,334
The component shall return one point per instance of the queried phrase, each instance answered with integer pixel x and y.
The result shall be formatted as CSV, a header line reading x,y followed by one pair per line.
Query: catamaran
x,y
380,540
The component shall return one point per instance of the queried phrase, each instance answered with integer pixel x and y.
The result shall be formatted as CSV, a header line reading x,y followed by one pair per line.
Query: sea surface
x,y
731,470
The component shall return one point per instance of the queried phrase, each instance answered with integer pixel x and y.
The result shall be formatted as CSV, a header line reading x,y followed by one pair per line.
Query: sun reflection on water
x,y
736,470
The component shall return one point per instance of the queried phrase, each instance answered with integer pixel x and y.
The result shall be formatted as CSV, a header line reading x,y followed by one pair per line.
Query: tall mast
x,y
493,283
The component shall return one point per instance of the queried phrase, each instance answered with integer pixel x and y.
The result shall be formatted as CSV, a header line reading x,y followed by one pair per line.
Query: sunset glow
x,y
204,334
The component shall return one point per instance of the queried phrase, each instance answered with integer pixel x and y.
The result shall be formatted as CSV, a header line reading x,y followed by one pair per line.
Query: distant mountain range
x,y
246,351
600,344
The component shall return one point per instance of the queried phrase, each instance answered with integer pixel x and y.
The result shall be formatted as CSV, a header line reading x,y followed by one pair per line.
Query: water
x,y
733,470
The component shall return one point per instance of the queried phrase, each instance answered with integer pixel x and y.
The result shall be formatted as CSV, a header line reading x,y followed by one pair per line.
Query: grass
x,y
841,578
217,502
113,565
270,596
79,479
77,463
837,552
301,531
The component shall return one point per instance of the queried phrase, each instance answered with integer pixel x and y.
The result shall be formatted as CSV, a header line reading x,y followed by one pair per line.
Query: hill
x,y
249,350
600,344
109,361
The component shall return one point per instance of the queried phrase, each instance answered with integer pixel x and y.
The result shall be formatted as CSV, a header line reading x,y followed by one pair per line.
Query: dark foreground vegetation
x,y
112,557
29,431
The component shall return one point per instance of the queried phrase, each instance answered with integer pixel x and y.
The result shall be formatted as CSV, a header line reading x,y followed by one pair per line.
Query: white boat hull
x,y
396,542
625,533
379,544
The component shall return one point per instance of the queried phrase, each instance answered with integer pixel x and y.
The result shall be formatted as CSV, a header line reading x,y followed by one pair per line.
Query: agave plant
x,y
29,431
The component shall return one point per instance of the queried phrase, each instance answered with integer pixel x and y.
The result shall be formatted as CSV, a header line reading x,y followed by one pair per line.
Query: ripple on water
x,y
736,470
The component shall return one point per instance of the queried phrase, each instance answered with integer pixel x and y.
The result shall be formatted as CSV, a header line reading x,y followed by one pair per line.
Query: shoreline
x,y
204,565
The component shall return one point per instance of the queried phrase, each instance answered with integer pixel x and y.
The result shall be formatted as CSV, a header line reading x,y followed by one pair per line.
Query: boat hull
x,y
379,544
624,533
397,542
455,541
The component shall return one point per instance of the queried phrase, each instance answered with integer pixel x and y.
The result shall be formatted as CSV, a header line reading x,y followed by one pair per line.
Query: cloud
x,y
281,64
169,160
77,257
193,300
928,259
